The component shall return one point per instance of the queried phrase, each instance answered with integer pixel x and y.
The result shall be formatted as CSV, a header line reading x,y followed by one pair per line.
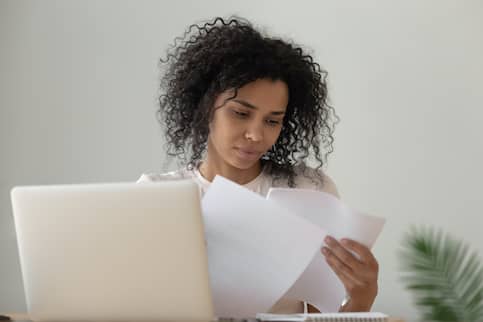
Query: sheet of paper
x,y
256,249
318,284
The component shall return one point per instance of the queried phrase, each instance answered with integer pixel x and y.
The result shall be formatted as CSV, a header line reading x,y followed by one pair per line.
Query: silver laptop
x,y
113,251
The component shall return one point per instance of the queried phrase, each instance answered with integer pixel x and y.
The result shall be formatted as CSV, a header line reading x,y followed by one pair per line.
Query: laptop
x,y
113,251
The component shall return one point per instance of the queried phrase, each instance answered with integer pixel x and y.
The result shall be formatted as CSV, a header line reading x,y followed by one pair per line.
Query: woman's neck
x,y
211,167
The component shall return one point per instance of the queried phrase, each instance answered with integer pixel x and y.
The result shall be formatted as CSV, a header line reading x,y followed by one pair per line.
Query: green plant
x,y
445,278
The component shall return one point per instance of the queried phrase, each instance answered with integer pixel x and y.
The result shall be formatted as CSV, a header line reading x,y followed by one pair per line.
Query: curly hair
x,y
226,54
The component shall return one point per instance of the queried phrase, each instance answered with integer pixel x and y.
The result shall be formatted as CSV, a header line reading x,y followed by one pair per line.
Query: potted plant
x,y
444,276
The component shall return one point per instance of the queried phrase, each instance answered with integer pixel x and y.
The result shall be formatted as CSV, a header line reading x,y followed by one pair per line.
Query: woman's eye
x,y
240,114
273,122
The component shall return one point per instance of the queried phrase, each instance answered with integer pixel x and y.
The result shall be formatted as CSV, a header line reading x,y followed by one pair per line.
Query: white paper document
x,y
256,249
319,285
260,250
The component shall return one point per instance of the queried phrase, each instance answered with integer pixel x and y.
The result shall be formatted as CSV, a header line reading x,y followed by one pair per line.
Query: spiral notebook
x,y
325,317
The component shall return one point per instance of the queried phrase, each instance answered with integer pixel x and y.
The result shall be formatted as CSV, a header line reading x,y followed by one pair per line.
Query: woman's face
x,y
247,126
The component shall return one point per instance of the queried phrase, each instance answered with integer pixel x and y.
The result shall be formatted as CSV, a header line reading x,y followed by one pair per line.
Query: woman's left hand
x,y
359,275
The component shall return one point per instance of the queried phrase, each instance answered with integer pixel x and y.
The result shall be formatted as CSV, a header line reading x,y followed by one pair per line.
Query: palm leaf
x,y
445,278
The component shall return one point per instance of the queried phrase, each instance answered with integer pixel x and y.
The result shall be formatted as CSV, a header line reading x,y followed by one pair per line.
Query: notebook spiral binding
x,y
325,317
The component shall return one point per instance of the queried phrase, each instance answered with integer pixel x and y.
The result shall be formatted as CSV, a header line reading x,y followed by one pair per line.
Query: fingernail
x,y
324,251
345,242
328,239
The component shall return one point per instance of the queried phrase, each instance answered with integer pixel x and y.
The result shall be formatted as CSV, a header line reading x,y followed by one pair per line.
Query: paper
x,y
318,284
256,248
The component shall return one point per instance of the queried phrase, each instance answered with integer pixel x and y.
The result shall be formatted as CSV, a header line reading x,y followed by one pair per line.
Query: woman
x,y
252,109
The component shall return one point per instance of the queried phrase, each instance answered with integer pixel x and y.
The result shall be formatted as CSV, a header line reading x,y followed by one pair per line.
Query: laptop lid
x,y
113,251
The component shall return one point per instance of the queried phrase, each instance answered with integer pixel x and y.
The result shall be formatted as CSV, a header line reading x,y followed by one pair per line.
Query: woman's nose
x,y
254,132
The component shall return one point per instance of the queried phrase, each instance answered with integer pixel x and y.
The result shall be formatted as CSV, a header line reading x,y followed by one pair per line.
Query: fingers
x,y
343,254
365,253
361,267
344,272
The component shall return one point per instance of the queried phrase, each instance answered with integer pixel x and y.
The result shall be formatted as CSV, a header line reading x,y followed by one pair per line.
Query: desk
x,y
22,317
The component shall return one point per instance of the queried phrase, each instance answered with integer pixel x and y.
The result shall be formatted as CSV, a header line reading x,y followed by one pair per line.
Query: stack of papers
x,y
263,249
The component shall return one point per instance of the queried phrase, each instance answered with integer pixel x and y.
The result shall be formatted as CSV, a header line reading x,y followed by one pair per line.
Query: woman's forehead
x,y
263,94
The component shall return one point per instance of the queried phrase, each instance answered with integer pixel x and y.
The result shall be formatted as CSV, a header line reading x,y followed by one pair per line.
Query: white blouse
x,y
261,184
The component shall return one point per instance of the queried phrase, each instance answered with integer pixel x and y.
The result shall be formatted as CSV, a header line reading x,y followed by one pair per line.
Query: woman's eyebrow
x,y
249,105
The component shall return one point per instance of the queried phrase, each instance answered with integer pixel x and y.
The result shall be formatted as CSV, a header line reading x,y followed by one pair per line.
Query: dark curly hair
x,y
226,54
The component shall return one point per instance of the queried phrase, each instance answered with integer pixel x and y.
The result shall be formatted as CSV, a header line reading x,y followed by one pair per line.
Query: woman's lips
x,y
248,154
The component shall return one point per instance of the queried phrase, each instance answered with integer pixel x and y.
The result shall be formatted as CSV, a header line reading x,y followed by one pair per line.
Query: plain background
x,y
79,81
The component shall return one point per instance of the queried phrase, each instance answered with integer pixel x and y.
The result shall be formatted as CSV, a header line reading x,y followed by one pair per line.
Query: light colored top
x,y
261,184
305,178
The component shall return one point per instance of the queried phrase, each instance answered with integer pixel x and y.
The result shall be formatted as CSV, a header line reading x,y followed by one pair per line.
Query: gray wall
x,y
78,86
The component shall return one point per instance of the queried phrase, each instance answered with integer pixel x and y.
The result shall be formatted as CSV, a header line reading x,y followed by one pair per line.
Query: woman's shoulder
x,y
172,175
307,177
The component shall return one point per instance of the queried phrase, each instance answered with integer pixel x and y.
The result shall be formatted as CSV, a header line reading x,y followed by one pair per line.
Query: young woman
x,y
252,109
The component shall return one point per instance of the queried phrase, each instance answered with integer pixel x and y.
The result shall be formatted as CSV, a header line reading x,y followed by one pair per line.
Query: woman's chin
x,y
244,164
